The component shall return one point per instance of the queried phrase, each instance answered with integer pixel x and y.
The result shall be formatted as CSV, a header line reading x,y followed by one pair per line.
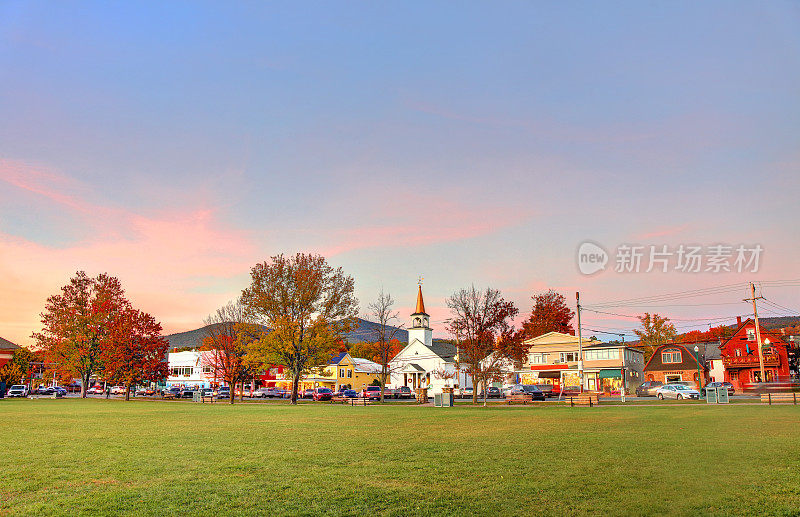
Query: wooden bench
x,y
519,398
588,399
339,400
779,398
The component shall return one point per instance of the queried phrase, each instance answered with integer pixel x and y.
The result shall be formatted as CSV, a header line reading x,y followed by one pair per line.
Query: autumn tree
x,y
550,313
655,331
76,324
381,311
15,371
481,324
135,352
306,304
228,333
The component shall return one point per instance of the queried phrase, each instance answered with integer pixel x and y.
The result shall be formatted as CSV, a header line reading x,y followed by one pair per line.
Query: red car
x,y
371,392
322,394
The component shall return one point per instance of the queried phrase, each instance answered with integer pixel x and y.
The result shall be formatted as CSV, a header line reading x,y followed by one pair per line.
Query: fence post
x,y
769,398
794,395
571,402
590,401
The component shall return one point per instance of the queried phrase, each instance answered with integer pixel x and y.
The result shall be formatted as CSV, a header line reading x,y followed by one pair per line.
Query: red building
x,y
675,362
740,356
7,349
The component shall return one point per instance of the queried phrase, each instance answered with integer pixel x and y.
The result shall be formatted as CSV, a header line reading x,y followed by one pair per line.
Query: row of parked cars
x,y
677,390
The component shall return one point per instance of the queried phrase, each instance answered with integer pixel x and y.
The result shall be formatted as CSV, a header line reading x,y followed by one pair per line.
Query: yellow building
x,y
353,372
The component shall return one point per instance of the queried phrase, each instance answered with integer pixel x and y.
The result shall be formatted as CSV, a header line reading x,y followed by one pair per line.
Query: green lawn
x,y
102,457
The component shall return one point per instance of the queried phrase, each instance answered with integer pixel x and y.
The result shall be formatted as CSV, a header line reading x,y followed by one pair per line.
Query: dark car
x,y
349,394
187,393
322,394
59,391
528,389
547,389
731,389
172,393
371,392
494,393
648,388
44,390
404,392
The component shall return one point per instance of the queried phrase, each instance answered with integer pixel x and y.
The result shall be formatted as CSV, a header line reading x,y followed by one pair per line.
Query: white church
x,y
423,363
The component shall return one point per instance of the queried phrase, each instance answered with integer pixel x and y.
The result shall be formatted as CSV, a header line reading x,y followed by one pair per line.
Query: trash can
x,y
437,399
711,395
722,395
197,396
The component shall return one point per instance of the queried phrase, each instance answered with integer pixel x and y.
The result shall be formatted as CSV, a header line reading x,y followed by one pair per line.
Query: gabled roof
x,y
688,360
774,337
365,365
558,338
338,358
8,345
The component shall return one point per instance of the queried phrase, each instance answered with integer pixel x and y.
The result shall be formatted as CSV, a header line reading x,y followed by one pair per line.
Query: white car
x,y
676,391
17,390
118,390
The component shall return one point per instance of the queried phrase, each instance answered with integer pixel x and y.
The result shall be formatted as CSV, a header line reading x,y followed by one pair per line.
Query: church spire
x,y
420,302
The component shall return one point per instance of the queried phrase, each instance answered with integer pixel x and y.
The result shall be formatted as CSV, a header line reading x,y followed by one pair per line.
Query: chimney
x,y
738,321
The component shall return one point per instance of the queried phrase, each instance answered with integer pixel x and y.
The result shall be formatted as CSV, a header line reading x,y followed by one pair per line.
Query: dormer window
x,y
671,355
751,334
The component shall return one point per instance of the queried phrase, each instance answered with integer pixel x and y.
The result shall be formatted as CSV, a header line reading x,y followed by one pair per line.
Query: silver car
x,y
677,391
17,390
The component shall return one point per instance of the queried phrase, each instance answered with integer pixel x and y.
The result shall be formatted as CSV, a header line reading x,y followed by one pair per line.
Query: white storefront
x,y
189,368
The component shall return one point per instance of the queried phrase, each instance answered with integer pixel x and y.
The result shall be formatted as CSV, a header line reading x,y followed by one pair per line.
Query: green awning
x,y
609,374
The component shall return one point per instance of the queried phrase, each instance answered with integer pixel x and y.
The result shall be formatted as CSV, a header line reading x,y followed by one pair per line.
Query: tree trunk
x,y
295,384
474,388
84,382
233,393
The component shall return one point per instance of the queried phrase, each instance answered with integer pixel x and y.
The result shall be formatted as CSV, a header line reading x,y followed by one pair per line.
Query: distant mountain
x,y
365,332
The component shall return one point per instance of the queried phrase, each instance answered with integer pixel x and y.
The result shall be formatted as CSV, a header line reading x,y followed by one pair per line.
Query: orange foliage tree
x,y
550,313
76,324
135,351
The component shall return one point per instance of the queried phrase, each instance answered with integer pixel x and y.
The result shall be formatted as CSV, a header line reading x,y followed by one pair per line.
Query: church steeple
x,y
420,319
420,303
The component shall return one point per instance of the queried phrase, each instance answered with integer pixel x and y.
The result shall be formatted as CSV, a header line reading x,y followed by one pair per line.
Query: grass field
x,y
102,457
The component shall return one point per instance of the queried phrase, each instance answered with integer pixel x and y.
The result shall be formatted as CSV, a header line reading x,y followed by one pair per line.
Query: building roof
x,y
338,358
444,350
688,361
365,365
775,337
8,345
420,303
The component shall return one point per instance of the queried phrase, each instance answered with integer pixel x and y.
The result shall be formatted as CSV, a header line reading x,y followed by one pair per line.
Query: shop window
x,y
671,355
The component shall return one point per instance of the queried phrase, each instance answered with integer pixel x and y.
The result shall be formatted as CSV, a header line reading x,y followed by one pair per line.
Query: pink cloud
x,y
663,232
164,260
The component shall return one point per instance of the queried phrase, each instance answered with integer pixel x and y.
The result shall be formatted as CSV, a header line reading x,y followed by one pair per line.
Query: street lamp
x,y
699,375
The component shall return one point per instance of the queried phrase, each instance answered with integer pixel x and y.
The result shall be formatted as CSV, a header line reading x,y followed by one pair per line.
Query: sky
x,y
176,144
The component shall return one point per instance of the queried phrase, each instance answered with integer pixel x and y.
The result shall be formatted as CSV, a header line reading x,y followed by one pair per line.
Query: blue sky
x,y
176,145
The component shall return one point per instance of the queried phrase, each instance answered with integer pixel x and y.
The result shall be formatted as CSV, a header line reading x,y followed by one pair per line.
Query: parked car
x,y
528,389
17,390
44,390
187,393
404,392
466,393
173,392
389,393
307,394
716,384
223,392
371,392
118,390
59,391
676,391
349,394
494,393
322,394
648,388
95,390
283,393
260,393
547,389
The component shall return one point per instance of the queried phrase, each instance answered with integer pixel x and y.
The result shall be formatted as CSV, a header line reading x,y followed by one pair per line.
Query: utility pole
x,y
580,340
753,299
622,370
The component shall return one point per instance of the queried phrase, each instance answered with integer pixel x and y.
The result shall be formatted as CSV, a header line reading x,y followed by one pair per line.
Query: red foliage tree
x,y
76,324
550,313
135,352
